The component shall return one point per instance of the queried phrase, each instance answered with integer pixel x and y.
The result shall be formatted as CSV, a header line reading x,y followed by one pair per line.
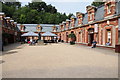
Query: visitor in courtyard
x,y
108,44
31,40
25,40
94,44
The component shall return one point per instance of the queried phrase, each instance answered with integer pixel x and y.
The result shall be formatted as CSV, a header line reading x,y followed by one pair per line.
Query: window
x,y
109,35
90,16
109,8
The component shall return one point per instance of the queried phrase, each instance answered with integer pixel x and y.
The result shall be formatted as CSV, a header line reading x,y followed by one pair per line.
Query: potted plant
x,y
72,36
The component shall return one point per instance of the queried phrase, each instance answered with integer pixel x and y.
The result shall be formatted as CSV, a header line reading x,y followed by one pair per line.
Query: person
x,y
31,41
108,44
26,41
94,44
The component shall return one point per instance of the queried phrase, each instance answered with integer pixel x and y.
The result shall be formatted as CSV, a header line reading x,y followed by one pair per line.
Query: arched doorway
x,y
66,37
90,35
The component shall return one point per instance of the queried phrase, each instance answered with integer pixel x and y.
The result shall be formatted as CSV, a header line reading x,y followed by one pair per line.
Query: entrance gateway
x,y
90,36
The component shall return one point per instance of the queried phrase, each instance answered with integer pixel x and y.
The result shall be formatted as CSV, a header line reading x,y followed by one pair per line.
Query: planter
x,y
72,43
117,48
89,44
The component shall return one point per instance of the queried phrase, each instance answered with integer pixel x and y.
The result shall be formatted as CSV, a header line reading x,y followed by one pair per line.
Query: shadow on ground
x,y
1,61
12,47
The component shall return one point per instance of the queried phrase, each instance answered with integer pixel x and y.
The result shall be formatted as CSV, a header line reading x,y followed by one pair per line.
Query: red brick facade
x,y
10,34
102,31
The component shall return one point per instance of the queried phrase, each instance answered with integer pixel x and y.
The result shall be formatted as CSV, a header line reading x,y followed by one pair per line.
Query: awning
x,y
30,34
49,34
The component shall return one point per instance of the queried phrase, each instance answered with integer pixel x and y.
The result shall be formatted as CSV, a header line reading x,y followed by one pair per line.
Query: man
x,y
94,44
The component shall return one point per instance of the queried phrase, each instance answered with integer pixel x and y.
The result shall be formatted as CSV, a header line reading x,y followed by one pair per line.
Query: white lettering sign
x,y
96,28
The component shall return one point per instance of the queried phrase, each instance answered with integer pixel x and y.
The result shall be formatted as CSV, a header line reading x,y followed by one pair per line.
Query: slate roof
x,y
118,8
85,19
32,27
48,34
76,22
99,15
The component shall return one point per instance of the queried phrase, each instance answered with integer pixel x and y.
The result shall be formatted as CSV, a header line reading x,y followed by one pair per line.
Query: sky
x,y
66,6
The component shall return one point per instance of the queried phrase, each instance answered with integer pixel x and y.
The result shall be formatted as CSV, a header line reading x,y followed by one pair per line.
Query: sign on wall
x,y
96,28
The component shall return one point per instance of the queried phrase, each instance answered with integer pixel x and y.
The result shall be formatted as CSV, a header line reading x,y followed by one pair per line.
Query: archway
x,y
66,37
90,35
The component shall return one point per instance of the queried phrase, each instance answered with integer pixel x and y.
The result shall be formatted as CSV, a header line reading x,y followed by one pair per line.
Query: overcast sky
x,y
66,6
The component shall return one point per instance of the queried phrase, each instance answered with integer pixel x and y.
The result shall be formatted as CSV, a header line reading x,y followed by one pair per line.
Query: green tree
x,y
32,16
39,6
10,7
22,18
34,13
69,16
97,3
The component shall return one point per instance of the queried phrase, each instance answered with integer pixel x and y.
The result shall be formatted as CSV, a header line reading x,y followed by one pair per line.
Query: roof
x,y
76,22
32,27
1,13
48,34
85,19
118,8
30,34
99,15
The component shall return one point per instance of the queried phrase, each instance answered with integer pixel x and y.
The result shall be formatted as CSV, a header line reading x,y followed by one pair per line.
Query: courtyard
x,y
58,61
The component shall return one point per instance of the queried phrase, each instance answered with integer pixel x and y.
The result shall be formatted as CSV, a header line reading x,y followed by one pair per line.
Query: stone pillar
x,y
113,36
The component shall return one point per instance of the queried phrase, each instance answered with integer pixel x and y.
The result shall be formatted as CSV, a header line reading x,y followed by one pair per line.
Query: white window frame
x,y
90,16
108,9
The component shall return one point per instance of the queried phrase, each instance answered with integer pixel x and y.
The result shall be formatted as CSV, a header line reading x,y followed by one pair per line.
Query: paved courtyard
x,y
59,61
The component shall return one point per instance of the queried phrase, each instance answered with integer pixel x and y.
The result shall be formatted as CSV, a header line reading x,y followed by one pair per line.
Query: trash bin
x,y
117,48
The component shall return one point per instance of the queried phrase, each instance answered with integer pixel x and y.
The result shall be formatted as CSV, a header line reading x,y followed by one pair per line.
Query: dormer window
x,y
54,28
90,16
39,28
22,28
109,8
91,13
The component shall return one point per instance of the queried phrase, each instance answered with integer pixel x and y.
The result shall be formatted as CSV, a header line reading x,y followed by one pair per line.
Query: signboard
x,y
96,28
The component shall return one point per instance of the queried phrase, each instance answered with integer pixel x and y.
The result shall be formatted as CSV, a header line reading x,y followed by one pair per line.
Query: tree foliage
x,y
34,13
97,3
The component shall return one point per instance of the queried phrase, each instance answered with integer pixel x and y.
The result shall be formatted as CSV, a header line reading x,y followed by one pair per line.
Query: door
x,y
90,38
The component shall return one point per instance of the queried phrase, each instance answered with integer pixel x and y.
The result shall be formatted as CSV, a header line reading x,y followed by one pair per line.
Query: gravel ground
x,y
59,61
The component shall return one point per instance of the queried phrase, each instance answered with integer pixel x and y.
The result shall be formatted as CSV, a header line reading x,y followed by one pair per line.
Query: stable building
x,y
98,23
38,28
10,31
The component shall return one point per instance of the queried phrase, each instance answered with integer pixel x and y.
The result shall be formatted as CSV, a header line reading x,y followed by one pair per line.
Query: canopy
x,y
30,34
49,34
